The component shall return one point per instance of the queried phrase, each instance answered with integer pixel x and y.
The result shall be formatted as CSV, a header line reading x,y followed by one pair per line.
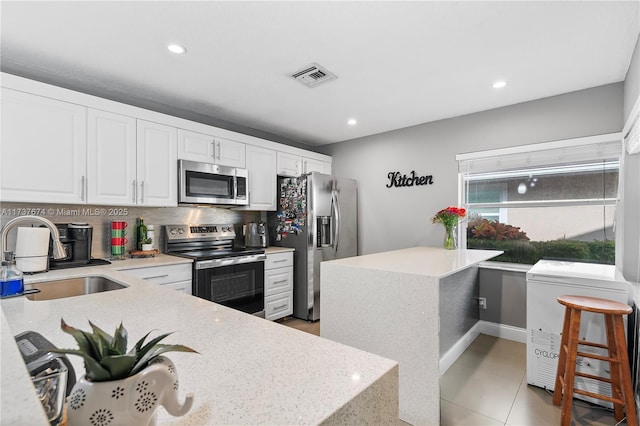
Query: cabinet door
x,y
195,146
310,165
263,180
289,164
43,146
157,164
229,153
111,158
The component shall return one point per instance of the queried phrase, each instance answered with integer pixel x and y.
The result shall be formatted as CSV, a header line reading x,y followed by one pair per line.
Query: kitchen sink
x,y
71,287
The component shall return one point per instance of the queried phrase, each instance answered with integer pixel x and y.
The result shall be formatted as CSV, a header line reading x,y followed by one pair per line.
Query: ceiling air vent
x,y
313,75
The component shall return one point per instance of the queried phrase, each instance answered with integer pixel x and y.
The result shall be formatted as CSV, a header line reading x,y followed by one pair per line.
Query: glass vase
x,y
450,237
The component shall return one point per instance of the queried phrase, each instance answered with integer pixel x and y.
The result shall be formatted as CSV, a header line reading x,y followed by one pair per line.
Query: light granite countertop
x,y
428,261
249,370
274,250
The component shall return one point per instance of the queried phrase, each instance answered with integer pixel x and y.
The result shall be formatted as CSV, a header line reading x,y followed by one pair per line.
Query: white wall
x,y
401,217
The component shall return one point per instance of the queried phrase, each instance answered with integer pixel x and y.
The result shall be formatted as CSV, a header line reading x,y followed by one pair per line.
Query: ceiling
x,y
398,63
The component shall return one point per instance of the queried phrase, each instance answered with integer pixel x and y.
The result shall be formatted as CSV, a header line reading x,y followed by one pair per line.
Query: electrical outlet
x,y
482,302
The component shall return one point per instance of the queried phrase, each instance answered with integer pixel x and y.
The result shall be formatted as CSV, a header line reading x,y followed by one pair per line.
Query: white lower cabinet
x,y
177,277
278,285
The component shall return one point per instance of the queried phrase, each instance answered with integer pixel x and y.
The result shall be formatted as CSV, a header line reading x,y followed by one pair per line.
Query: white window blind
x,y
543,155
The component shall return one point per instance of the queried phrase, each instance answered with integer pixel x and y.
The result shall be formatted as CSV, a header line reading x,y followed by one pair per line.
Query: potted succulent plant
x,y
122,387
147,244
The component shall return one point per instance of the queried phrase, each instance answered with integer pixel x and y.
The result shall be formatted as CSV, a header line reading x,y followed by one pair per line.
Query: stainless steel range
x,y
222,273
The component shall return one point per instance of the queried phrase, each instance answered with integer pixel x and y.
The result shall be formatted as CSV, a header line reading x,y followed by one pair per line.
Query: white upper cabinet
x,y
289,164
310,165
296,165
43,149
111,158
205,148
157,165
261,164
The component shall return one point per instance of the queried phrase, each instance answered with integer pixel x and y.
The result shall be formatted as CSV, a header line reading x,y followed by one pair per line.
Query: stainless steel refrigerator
x,y
317,215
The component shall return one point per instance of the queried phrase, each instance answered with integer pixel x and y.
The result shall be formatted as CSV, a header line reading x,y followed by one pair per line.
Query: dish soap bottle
x,y
141,233
11,280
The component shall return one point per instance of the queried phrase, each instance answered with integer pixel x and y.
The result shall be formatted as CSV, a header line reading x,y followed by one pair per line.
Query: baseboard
x,y
458,348
503,331
481,327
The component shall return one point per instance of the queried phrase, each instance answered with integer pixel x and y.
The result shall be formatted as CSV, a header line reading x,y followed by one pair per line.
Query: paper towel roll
x,y
32,249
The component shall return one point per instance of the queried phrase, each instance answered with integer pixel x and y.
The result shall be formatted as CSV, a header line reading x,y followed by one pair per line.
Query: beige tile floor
x,y
487,385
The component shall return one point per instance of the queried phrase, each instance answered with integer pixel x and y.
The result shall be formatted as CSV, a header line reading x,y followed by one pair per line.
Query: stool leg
x,y
625,372
572,354
614,367
562,359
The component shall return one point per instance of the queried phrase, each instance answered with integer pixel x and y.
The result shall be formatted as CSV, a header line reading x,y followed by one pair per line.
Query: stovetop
x,y
205,242
209,254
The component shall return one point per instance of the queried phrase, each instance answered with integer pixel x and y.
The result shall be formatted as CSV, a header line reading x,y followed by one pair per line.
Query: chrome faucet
x,y
58,248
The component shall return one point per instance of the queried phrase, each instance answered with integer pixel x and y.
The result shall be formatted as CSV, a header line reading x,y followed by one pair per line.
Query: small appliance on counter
x,y
255,235
36,353
76,239
32,249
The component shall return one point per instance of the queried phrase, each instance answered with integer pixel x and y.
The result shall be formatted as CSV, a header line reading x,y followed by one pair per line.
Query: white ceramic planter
x,y
147,247
129,401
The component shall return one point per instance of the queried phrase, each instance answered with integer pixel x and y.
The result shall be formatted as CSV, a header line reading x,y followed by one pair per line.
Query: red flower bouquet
x,y
449,217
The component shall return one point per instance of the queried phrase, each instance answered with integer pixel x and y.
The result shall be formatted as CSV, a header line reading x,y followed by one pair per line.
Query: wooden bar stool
x,y
620,381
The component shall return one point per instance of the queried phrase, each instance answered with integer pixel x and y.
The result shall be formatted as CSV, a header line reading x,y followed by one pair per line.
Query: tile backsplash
x,y
100,218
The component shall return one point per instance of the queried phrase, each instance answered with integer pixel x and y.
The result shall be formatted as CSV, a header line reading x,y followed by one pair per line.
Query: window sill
x,y
504,266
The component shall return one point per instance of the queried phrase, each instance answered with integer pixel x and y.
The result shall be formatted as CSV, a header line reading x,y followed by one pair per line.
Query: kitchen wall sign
x,y
397,179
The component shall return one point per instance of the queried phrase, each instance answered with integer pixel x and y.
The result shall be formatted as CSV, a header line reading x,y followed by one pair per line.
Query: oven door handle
x,y
217,263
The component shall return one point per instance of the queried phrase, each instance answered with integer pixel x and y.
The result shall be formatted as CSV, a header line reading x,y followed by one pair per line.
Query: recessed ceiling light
x,y
352,122
176,48
499,84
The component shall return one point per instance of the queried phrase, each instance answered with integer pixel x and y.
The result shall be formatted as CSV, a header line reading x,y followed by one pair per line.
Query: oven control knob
x,y
172,231
180,231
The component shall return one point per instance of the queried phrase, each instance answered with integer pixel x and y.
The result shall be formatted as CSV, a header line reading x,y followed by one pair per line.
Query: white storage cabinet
x,y
43,146
200,147
297,165
261,164
278,285
176,277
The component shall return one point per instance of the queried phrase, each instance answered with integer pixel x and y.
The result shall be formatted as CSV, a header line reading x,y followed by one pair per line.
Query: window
x,y
553,200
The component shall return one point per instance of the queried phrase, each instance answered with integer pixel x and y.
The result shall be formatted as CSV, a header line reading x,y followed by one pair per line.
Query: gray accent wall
x,y
458,306
400,217
506,294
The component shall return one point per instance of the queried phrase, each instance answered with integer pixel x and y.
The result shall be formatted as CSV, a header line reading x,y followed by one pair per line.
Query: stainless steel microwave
x,y
204,183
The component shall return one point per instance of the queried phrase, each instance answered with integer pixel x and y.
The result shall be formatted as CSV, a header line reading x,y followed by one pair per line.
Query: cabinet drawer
x,y
181,286
278,280
278,306
279,260
162,274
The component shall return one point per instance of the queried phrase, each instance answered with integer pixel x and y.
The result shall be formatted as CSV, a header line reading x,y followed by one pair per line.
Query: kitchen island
x,y
249,371
390,304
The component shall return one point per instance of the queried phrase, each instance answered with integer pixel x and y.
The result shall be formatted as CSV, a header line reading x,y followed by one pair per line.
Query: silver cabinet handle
x,y
218,143
281,282
279,261
82,190
157,276
142,192
277,308
135,190
213,148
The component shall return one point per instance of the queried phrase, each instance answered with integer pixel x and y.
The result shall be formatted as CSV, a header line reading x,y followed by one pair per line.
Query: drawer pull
x,y
279,261
281,282
157,276
279,308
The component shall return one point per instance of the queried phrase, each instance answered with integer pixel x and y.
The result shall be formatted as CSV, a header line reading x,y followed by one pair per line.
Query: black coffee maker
x,y
76,239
